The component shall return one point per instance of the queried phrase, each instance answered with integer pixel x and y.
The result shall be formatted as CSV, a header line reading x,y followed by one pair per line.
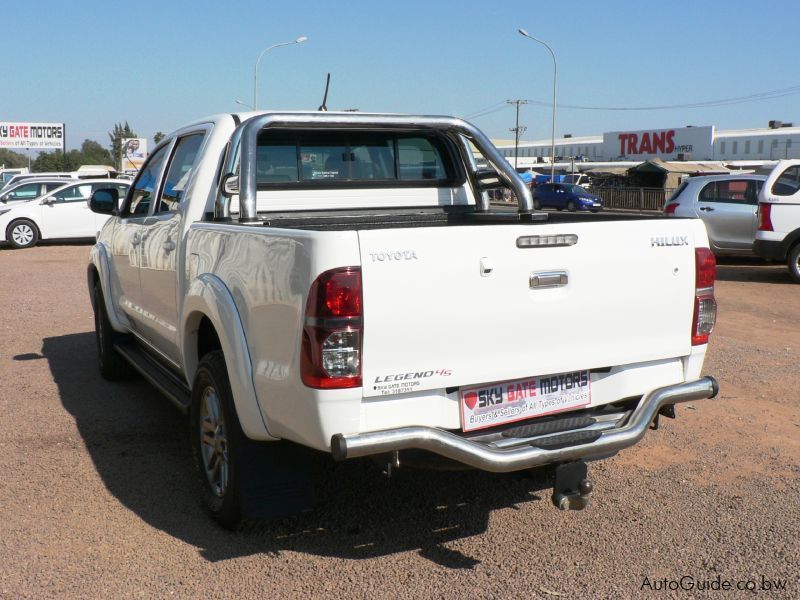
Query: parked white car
x,y
60,214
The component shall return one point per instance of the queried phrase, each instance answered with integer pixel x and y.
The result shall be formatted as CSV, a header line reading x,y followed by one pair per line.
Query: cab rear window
x,y
364,159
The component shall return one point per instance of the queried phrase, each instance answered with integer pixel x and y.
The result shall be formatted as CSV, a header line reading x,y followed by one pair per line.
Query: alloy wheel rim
x,y
22,234
214,442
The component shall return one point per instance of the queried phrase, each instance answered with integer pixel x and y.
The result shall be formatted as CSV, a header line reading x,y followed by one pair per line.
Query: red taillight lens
x,y
705,305
706,268
669,209
765,217
331,351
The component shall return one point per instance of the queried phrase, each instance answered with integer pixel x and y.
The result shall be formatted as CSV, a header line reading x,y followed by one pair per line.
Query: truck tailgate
x,y
454,306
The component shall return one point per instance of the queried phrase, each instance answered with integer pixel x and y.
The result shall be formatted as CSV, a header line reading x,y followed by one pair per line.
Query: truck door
x,y
161,240
127,237
729,209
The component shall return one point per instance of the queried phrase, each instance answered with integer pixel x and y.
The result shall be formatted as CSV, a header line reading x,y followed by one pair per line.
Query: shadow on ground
x,y
751,269
139,446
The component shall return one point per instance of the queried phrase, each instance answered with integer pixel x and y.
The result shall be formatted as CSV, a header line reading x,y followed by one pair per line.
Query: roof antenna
x,y
323,107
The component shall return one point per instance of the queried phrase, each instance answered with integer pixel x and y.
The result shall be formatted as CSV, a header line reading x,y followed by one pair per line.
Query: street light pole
x,y
555,80
299,40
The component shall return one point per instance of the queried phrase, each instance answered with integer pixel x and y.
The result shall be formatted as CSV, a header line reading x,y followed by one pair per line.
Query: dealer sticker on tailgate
x,y
498,403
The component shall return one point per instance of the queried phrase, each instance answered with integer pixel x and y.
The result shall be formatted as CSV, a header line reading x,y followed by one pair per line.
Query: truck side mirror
x,y
104,201
488,179
229,185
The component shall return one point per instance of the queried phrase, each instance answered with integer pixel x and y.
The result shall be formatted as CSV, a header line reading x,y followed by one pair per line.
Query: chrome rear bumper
x,y
524,455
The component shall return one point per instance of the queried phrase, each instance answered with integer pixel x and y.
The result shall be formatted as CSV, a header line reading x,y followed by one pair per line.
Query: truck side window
x,y
178,173
137,204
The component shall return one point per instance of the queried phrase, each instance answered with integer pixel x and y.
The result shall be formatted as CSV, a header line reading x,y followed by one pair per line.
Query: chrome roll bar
x,y
244,143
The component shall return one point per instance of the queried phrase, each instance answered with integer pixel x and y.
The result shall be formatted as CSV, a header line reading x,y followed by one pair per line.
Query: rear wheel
x,y
793,262
22,234
571,206
217,440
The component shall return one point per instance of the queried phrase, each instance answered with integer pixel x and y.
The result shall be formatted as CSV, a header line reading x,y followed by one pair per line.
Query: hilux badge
x,y
675,240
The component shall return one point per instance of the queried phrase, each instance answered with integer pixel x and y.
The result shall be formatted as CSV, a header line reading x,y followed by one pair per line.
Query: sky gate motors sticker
x,y
509,401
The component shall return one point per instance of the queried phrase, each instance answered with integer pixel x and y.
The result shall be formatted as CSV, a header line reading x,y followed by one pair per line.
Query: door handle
x,y
137,239
169,246
706,208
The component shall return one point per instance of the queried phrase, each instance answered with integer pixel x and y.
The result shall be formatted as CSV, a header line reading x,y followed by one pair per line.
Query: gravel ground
x,y
97,498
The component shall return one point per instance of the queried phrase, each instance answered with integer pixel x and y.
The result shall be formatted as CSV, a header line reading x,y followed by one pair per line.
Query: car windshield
x,y
574,189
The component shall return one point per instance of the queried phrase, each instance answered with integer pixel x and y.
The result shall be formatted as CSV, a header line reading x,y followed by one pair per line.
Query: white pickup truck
x,y
339,282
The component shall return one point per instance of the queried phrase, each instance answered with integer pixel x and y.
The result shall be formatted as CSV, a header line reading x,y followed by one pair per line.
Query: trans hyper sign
x,y
694,143
31,135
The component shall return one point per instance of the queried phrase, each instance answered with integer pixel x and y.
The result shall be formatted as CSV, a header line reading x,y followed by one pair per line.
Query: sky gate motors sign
x,y
694,143
31,135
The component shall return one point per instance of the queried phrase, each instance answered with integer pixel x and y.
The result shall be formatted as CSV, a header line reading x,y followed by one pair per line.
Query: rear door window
x,y
137,204
180,169
731,191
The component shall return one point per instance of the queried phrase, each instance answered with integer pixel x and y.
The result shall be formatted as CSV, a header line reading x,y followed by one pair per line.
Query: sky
x,y
160,65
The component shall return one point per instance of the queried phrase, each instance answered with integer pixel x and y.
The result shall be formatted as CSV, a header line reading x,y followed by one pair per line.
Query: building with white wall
x,y
704,143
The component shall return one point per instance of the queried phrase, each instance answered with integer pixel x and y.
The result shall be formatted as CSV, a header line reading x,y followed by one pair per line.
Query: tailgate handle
x,y
548,279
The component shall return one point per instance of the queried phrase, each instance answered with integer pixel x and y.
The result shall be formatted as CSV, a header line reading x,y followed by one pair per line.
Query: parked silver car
x,y
728,204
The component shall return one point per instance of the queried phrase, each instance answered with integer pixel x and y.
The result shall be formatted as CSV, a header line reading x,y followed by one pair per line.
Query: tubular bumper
x,y
524,456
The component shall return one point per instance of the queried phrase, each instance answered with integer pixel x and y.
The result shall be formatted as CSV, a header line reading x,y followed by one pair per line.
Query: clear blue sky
x,y
159,65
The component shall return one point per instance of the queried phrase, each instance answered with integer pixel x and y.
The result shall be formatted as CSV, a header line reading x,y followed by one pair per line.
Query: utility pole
x,y
518,131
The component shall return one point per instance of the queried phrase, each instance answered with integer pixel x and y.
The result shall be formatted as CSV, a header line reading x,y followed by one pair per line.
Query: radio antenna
x,y
324,106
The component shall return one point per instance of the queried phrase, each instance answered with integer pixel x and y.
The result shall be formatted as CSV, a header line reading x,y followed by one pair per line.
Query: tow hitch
x,y
572,487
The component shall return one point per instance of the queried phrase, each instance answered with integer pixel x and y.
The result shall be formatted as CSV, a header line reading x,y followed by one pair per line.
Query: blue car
x,y
565,195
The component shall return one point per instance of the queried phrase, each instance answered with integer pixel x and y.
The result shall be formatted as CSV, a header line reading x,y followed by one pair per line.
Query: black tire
x,y
571,206
22,233
111,364
793,262
221,446
536,204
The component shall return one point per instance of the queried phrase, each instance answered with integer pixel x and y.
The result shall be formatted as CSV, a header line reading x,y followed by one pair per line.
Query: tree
x,y
11,159
120,132
93,153
53,161
158,137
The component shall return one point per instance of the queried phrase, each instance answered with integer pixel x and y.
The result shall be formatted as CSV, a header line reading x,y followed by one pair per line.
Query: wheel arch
x,y
98,271
211,319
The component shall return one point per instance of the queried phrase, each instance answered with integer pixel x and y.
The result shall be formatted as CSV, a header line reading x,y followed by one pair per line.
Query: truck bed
x,y
342,220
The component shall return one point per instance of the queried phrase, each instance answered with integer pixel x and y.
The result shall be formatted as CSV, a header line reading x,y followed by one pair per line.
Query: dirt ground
x,y
97,496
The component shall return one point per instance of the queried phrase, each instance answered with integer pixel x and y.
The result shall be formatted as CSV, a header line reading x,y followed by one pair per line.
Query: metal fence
x,y
633,198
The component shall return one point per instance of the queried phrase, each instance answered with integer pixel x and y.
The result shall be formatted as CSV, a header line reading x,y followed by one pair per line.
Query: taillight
x,y
331,352
669,209
705,305
765,217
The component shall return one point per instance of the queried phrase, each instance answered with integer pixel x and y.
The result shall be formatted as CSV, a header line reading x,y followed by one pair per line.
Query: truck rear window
x,y
331,158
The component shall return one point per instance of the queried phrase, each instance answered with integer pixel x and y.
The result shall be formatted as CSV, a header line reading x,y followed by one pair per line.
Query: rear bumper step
x,y
571,445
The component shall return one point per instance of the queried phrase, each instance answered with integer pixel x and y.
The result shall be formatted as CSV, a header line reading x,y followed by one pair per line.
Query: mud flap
x,y
276,480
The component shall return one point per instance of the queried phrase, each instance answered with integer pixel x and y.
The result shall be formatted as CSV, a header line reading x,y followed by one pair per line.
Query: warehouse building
x,y
706,143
